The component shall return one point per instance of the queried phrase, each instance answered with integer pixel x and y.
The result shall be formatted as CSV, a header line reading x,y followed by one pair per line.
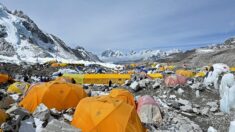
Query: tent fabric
x,y
64,79
200,74
77,77
155,75
145,100
148,110
18,87
106,114
3,116
105,78
59,95
171,68
31,87
4,78
185,73
174,80
124,95
55,65
232,69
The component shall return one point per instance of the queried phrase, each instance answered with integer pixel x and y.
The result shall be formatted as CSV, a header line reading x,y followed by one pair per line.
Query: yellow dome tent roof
x,y
124,95
18,87
106,114
59,95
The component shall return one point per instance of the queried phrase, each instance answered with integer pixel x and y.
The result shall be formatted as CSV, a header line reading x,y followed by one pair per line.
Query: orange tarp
x,y
106,114
59,95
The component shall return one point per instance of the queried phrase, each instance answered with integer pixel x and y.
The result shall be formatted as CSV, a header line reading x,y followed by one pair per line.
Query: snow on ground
x,y
204,50
33,60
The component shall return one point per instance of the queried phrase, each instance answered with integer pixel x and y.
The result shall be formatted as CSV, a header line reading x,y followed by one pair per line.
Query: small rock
x,y
156,85
128,82
195,110
142,83
68,117
205,111
186,108
219,114
197,93
135,86
172,97
195,86
180,91
213,105
183,102
22,113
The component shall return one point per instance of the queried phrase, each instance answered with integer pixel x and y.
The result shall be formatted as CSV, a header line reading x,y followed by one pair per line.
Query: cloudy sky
x,y
132,24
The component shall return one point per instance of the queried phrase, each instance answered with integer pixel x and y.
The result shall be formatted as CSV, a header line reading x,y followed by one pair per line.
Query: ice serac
x,y
22,40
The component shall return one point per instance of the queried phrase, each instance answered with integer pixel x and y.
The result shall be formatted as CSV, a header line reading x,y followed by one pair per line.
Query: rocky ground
x,y
191,107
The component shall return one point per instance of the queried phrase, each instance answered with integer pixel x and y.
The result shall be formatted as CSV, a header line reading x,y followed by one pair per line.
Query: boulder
x,y
134,85
42,113
56,126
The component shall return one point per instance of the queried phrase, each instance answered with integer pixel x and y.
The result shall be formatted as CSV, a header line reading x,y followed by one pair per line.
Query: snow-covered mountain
x,y
22,40
119,56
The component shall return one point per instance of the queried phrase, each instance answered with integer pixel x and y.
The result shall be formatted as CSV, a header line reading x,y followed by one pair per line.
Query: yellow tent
x,y
3,116
4,78
77,77
63,64
232,69
155,75
171,68
105,78
59,95
200,74
106,114
124,95
185,73
18,87
161,68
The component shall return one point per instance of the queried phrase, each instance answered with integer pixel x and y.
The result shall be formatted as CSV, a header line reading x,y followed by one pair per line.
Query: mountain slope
x,y
219,53
21,39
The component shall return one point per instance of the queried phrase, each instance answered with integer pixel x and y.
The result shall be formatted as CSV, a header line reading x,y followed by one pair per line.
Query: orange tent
x,y
106,114
4,78
3,116
59,95
64,79
124,95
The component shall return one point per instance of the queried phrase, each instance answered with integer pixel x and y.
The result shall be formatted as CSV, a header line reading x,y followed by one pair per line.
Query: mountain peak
x,y
22,39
